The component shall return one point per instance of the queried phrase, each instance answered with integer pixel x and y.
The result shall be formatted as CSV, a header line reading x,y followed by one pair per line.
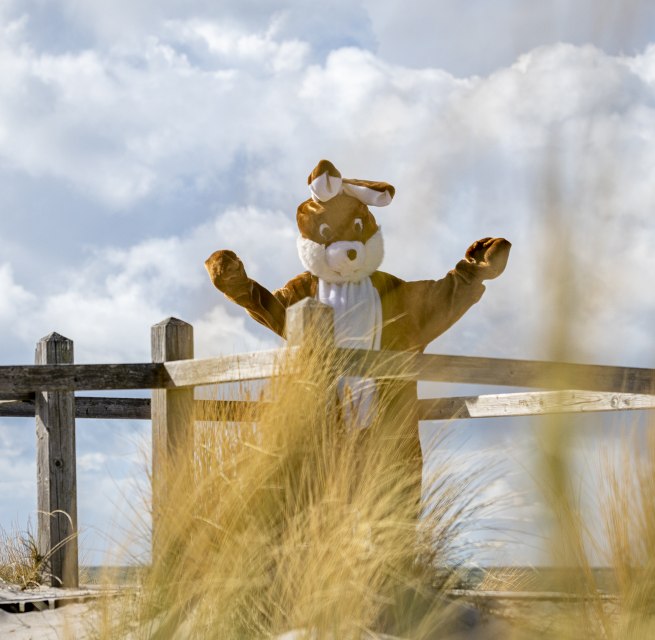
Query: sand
x,y
60,616
76,620
71,622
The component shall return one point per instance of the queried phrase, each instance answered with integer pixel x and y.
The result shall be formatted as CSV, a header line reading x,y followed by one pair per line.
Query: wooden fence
x,y
46,390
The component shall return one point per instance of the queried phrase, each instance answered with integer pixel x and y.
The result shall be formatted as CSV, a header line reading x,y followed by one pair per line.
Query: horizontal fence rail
x,y
531,404
501,372
17,381
94,408
470,407
81,377
21,380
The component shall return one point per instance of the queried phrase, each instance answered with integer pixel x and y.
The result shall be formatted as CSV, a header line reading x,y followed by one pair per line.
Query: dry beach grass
x,y
301,521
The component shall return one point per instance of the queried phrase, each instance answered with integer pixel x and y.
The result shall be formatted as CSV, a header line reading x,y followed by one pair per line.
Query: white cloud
x,y
108,306
92,461
14,299
469,157
233,46
219,332
484,36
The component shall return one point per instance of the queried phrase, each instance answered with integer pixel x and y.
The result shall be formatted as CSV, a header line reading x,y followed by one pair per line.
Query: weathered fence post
x,y
56,469
310,320
309,317
172,416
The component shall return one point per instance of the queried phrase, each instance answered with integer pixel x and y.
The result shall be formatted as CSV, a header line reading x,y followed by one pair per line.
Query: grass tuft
x,y
304,520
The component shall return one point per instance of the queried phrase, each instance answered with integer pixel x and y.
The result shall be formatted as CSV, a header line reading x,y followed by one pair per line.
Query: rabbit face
x,y
340,241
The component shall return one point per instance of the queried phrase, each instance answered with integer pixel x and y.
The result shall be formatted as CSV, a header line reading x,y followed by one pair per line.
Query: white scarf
x,y
357,325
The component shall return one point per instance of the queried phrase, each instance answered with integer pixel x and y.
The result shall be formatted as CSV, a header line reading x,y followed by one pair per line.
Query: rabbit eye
x,y
358,224
326,231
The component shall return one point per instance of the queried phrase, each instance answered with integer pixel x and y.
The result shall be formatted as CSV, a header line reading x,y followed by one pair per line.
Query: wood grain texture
x,y
502,372
20,381
17,397
137,409
172,414
258,365
113,408
56,469
92,408
531,404
26,379
309,319
483,406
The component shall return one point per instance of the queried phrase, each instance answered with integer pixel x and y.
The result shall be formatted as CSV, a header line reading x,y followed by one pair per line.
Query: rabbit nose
x,y
351,253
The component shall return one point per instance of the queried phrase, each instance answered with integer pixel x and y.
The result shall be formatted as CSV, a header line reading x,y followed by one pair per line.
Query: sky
x,y
137,138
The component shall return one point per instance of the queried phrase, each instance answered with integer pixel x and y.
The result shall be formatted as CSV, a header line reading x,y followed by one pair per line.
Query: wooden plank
x,y
308,319
443,408
531,404
16,397
94,408
258,365
41,599
484,406
113,408
17,409
16,380
24,379
56,470
488,597
500,372
137,409
172,421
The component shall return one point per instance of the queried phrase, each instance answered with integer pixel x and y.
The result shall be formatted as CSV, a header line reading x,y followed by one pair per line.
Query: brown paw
x,y
225,269
490,254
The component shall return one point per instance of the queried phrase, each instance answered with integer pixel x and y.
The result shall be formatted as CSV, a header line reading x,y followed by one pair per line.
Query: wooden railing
x,y
46,390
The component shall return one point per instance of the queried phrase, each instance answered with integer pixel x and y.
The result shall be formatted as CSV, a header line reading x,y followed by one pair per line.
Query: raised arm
x,y
229,276
438,304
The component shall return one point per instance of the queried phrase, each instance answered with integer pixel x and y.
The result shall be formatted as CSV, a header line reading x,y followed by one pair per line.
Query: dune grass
x,y
20,560
302,520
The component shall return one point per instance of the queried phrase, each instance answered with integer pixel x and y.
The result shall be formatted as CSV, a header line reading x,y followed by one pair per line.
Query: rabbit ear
x,y
324,181
375,194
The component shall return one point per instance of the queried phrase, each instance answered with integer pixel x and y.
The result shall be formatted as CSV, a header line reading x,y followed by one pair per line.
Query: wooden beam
x,y
258,365
137,409
21,380
56,470
94,408
500,372
17,380
16,397
172,422
484,406
24,379
531,404
112,408
310,320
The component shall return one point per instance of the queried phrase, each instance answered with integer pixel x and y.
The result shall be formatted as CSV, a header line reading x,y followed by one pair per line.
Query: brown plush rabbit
x,y
340,245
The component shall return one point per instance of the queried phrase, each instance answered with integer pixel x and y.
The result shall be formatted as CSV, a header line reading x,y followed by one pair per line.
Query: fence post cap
x,y
174,322
311,303
55,337
309,315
